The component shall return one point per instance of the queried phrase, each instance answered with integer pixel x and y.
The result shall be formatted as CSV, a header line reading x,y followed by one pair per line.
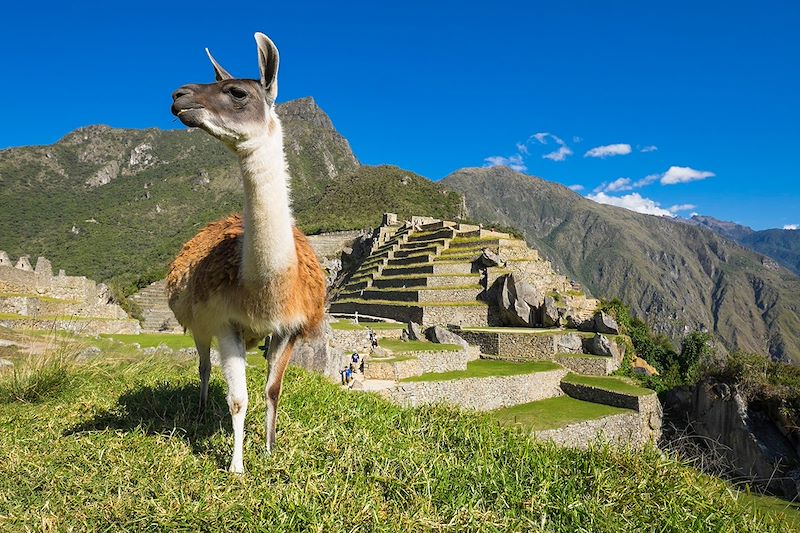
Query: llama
x,y
252,275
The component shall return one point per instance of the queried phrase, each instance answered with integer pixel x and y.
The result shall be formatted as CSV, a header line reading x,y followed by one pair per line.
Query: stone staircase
x,y
425,274
157,315
430,273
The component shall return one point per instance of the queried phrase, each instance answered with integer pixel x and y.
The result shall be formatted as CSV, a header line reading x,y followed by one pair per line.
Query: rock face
x,y
570,343
519,302
443,336
750,441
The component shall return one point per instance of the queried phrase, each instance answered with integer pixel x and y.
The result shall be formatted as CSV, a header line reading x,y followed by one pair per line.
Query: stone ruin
x,y
33,298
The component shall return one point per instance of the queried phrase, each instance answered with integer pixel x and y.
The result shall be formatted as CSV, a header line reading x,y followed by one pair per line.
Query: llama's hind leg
x,y
280,351
232,352
204,352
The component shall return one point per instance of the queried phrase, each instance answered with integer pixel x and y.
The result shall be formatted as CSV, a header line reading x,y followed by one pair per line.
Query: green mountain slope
x,y
116,205
678,276
780,244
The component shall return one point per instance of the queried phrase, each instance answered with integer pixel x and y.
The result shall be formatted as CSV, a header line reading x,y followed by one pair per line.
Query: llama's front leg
x,y
232,352
280,351
204,351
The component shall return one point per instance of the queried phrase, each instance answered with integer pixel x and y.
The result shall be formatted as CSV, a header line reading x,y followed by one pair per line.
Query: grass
x,y
53,318
608,383
153,340
554,413
347,325
417,276
125,450
38,378
398,346
398,359
484,368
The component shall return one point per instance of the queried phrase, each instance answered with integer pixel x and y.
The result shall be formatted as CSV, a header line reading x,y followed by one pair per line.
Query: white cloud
x,y
682,207
674,175
513,162
576,139
561,154
608,150
633,202
522,148
619,184
575,187
650,148
792,226
541,137
684,175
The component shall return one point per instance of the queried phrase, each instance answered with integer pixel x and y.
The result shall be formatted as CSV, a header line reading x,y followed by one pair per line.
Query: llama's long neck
x,y
269,246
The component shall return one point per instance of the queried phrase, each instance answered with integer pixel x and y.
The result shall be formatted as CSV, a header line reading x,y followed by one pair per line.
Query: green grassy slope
x,y
672,274
121,449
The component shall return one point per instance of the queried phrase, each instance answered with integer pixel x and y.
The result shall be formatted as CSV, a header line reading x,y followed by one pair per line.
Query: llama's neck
x,y
268,246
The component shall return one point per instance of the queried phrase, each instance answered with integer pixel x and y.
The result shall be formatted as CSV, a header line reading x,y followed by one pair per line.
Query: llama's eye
x,y
237,93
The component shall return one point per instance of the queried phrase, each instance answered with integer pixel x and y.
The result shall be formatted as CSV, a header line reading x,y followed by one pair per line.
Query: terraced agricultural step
x,y
432,250
418,236
581,363
411,260
423,295
432,268
479,393
439,224
525,343
441,243
483,234
421,280
425,313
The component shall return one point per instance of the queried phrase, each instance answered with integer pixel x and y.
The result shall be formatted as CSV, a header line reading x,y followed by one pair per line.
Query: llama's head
x,y
233,110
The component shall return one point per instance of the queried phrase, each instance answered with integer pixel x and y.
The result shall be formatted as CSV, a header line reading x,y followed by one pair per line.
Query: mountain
x,y
117,204
677,276
780,244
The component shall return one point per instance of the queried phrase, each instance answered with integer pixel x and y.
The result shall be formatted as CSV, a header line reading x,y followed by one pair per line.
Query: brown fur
x,y
209,264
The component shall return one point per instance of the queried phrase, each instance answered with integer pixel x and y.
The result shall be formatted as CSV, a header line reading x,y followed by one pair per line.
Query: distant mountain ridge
x,y
780,244
117,204
679,276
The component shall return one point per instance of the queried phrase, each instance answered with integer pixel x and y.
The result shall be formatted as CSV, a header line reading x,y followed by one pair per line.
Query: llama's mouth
x,y
190,116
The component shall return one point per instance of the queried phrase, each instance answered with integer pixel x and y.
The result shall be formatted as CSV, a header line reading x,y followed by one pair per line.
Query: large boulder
x,y
550,315
489,259
570,343
601,345
415,332
442,335
603,323
519,302
319,354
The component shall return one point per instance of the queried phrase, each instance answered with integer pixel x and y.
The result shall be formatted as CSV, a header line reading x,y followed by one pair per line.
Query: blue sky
x,y
713,86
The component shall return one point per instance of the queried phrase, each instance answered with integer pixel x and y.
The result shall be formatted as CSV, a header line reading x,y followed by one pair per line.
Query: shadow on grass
x,y
166,410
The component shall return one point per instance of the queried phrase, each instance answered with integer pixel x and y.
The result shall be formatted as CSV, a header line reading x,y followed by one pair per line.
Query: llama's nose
x,y
183,91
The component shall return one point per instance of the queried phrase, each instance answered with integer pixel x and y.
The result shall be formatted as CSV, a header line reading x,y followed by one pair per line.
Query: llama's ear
x,y
219,72
268,65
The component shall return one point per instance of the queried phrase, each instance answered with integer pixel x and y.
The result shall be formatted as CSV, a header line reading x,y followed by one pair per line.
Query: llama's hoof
x,y
236,469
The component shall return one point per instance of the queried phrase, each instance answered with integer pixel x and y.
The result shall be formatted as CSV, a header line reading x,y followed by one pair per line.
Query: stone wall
x,y
648,406
622,429
331,244
419,363
72,303
482,394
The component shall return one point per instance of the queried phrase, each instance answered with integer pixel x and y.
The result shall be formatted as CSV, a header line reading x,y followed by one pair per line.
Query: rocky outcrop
x,y
518,302
748,438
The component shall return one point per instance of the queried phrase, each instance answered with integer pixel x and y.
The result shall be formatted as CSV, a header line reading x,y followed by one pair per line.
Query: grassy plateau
x,y
116,444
